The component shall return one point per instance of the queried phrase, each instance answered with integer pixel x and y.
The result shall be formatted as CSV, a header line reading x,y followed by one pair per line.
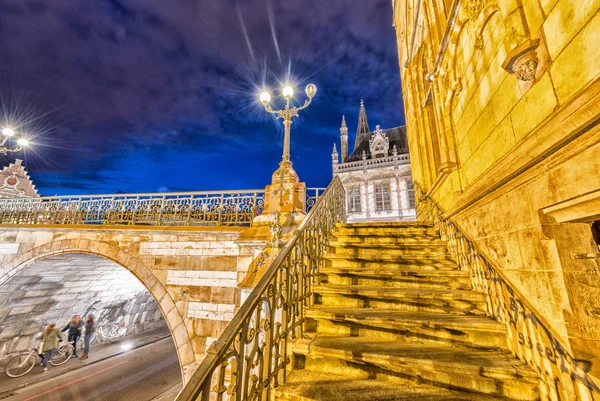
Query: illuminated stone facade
x,y
502,110
376,175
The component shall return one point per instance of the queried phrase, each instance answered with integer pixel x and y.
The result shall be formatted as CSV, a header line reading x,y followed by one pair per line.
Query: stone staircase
x,y
395,320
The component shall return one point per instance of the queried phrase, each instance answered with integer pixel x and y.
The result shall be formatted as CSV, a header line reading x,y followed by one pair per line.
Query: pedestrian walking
x,y
74,327
90,329
51,337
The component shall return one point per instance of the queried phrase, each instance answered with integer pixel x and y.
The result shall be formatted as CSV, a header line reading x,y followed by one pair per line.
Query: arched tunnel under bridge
x,y
54,288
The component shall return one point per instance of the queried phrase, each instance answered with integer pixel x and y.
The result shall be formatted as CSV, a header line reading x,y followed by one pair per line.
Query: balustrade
x,y
529,337
252,355
221,208
380,162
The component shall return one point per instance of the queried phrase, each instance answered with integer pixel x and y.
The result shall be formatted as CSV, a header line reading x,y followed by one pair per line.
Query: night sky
x,y
162,95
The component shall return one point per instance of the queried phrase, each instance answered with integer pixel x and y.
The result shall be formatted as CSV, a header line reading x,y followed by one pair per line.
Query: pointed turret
x,y
344,139
363,130
334,158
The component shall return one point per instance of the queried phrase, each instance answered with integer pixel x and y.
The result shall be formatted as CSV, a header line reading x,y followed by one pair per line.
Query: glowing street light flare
x,y
265,98
288,92
311,90
7,134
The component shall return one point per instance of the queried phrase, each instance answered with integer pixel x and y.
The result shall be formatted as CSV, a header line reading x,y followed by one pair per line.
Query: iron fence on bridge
x,y
209,208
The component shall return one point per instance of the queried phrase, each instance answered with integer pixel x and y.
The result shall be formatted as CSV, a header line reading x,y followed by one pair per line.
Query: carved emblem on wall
x,y
525,67
523,61
11,182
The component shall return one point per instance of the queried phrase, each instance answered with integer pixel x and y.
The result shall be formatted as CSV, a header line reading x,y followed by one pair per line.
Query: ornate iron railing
x,y
250,358
562,378
222,208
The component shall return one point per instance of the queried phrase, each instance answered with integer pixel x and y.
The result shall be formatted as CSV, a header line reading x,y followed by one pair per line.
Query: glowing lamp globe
x,y
8,132
23,142
265,98
288,92
311,90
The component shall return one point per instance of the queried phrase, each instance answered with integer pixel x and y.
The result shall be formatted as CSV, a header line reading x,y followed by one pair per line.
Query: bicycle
x,y
108,332
22,364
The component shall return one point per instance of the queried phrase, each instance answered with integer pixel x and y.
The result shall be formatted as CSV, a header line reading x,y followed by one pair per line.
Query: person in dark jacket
x,y
90,329
74,328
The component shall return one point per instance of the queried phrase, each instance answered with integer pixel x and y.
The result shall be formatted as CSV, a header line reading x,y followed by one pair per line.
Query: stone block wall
x,y
183,268
503,111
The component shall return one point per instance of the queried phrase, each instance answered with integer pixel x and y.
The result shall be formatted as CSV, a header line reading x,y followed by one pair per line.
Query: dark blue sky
x,y
151,95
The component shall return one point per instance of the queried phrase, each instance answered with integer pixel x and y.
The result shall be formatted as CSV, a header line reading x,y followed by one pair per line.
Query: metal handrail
x,y
250,357
232,208
530,337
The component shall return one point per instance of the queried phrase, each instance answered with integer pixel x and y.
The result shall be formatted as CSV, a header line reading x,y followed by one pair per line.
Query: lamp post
x,y
287,114
8,133
285,183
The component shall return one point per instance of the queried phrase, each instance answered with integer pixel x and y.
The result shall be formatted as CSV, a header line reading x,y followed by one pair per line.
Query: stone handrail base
x,y
562,378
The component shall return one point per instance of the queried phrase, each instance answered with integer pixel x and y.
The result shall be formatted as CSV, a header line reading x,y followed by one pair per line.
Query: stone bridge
x,y
66,255
191,272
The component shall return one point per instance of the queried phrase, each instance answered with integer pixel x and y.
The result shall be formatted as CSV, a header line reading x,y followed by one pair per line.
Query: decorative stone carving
x,y
379,144
523,61
479,42
525,67
474,8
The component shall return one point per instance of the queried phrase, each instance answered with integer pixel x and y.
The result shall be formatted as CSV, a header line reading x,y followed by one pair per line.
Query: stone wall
x,y
503,112
183,268
53,289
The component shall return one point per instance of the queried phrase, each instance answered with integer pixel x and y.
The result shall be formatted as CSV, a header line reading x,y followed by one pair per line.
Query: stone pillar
x,y
285,195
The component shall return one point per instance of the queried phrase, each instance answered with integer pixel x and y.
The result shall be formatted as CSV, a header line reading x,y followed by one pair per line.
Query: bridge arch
x,y
168,308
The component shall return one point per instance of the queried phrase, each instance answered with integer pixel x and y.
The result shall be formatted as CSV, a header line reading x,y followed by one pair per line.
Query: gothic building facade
x,y
376,174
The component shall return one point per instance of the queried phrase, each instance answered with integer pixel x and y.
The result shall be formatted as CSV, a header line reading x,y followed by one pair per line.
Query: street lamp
x,y
8,133
287,114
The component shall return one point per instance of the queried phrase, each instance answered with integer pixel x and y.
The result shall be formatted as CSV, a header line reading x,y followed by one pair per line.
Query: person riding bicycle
x,y
51,337
74,327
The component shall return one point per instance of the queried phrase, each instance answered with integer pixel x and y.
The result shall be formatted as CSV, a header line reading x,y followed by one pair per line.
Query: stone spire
x,y
363,130
344,139
334,159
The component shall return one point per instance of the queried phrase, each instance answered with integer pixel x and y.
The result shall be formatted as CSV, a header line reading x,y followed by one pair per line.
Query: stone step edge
x,y
399,272
375,244
347,290
306,347
389,224
331,379
322,313
393,258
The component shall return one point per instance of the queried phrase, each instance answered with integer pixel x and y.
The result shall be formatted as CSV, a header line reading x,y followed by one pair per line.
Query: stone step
x,y
494,373
391,251
386,229
306,385
345,239
398,298
378,259
469,331
380,224
414,278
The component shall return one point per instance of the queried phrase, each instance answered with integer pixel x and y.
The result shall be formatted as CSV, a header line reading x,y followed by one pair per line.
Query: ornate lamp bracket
x,y
523,61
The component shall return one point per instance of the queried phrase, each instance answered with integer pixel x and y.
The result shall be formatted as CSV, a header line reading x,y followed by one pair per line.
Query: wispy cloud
x,y
140,95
